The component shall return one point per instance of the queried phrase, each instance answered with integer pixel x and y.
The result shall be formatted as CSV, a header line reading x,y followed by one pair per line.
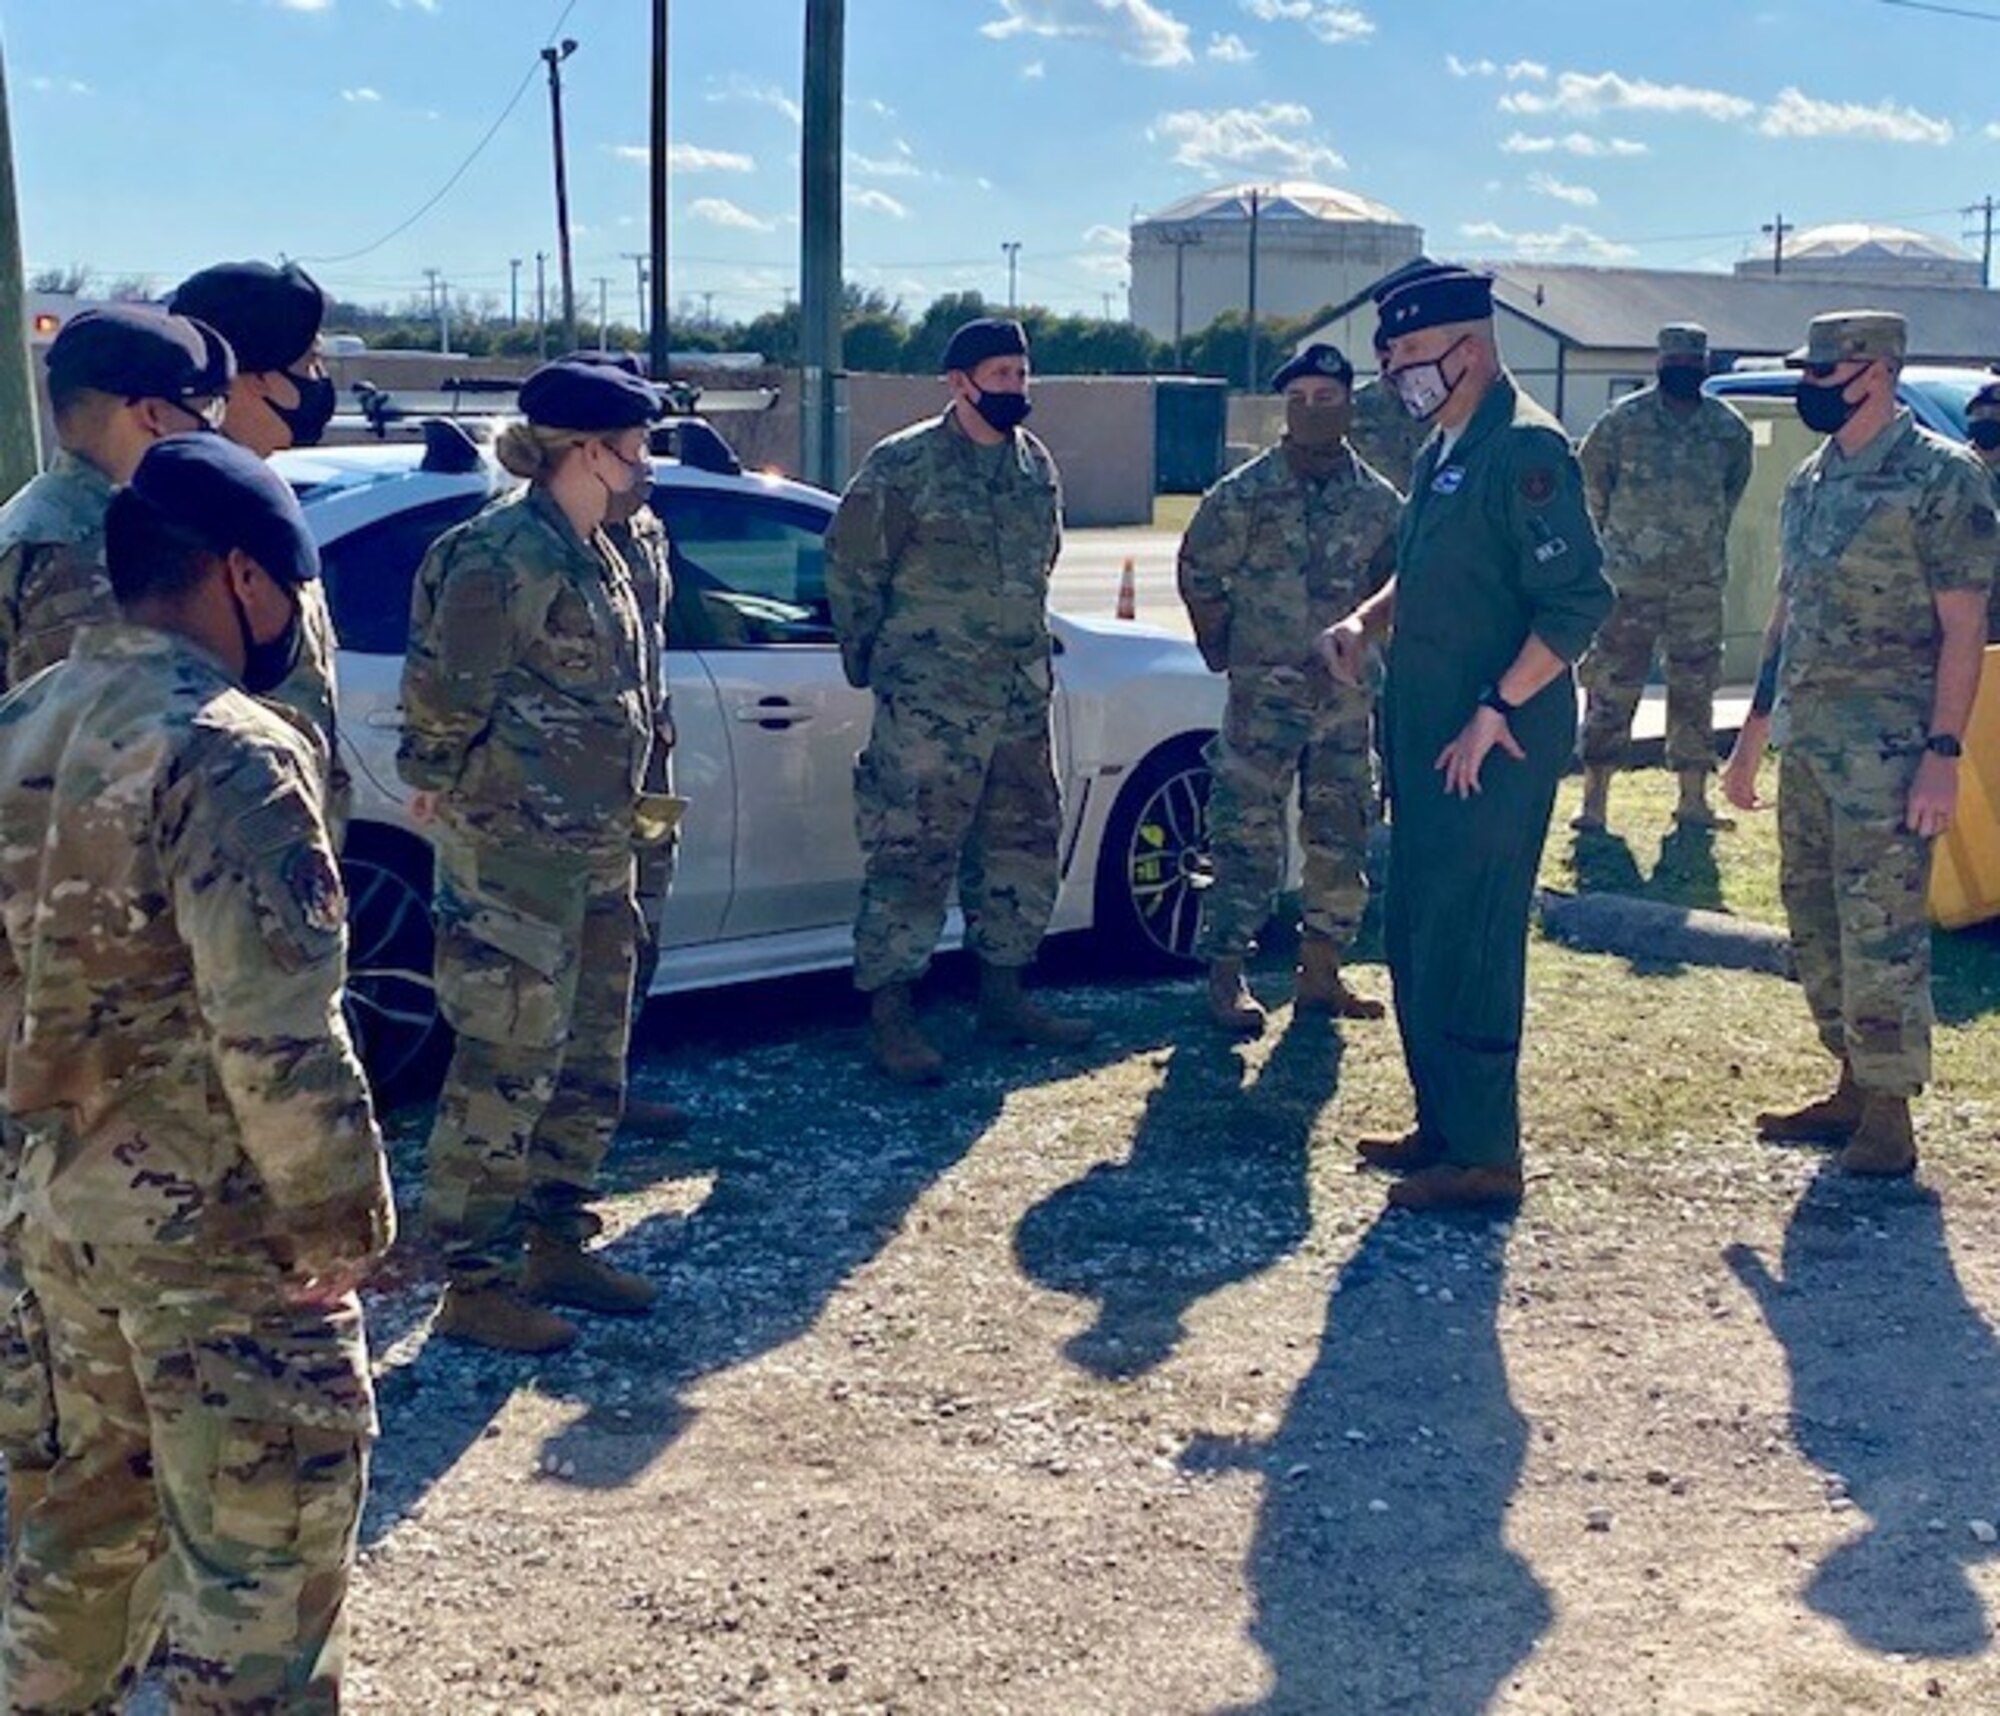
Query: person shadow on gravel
x,y
1381,1572
1214,1192
1896,1397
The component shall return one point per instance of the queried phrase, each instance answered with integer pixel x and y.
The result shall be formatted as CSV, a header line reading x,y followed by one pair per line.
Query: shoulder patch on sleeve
x,y
314,884
1538,485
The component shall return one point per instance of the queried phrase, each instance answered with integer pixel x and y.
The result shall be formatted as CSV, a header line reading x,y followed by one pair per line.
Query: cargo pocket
x,y
288,1490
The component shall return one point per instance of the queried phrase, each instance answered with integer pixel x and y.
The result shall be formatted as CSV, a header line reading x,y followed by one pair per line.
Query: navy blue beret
x,y
1436,301
987,337
270,316
226,497
626,361
139,353
1323,360
589,395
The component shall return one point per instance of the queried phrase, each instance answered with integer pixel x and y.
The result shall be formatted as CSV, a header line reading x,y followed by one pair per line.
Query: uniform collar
x,y
552,518
123,640
1877,453
75,468
1496,409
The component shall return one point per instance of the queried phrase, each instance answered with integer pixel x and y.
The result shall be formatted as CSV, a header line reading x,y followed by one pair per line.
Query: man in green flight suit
x,y
1498,589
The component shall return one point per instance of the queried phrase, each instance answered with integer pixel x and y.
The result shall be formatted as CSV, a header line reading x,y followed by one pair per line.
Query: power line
x,y
464,166
1948,11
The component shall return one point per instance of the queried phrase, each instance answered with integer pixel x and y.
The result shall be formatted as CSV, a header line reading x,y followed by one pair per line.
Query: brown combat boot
x,y
1830,1120
498,1318
1402,1152
1448,1187
1694,810
26,1485
646,1117
1884,1144
1005,1012
559,1272
1319,987
1230,1003
1596,799
894,1042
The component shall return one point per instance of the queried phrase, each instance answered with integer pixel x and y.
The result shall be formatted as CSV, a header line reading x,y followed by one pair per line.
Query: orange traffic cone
x,y
1128,596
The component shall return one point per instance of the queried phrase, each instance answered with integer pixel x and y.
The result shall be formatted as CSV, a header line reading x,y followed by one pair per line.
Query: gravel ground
x,y
1106,1384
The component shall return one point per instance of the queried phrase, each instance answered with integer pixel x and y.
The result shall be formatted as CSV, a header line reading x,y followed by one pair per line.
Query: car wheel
x,y
391,1000
1154,860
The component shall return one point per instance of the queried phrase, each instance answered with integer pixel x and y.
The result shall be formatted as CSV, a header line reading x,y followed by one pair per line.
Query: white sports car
x,y
767,735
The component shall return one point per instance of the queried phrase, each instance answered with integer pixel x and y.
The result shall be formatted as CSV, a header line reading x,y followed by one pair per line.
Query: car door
x,y
750,601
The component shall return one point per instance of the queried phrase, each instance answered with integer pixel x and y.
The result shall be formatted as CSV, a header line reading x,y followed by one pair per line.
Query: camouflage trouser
x,y
654,878
937,790
534,973
1855,883
214,1456
27,1396
1281,727
1677,608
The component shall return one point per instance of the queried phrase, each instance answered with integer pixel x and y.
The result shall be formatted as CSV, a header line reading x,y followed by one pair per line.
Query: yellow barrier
x,y
1965,869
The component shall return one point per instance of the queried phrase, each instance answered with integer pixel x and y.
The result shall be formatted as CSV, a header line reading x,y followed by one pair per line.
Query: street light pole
x,y
820,305
659,342
541,303
1012,248
513,291
554,58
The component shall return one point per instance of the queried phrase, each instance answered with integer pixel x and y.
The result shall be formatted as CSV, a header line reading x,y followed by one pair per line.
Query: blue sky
x,y
153,136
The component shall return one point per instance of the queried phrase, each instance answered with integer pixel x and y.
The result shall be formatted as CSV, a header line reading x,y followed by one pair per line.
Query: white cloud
x,y
1034,71
1275,136
304,5
879,202
1139,30
1330,23
691,158
720,211
1470,68
361,93
1548,185
1577,242
1533,71
1572,143
1585,94
1231,49
59,85
414,5
1795,114
741,88
1102,233
899,163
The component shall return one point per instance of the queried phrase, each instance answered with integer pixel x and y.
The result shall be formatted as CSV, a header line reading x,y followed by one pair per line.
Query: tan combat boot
x,y
1400,1153
560,1272
1321,989
1230,1003
1596,798
1450,1187
1694,810
1830,1120
498,1318
894,1042
1884,1144
1006,1012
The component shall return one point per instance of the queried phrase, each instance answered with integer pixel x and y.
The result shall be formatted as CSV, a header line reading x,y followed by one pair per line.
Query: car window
x,y
749,569
369,573
1950,396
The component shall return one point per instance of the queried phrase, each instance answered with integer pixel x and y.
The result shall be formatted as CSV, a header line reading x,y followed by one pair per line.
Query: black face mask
x,y
266,666
308,419
1003,411
1824,407
1984,433
1680,381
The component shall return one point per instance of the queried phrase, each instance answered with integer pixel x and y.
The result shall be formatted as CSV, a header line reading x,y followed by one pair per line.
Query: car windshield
x,y
1950,394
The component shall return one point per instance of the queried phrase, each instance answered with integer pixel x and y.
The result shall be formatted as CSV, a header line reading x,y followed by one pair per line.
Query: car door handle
x,y
774,714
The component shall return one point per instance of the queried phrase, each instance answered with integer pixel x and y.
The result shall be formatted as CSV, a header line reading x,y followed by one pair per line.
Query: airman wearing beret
x,y
280,398
1497,591
1664,469
1888,547
528,723
1279,549
938,574
201,1183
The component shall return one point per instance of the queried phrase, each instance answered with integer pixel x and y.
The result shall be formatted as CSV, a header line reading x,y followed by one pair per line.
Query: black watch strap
x,y
1490,698
1944,745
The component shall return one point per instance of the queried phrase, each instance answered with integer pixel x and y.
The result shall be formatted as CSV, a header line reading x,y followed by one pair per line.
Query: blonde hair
x,y
531,451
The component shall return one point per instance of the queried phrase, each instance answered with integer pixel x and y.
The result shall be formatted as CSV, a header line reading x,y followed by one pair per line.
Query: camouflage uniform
x,y
1663,485
1384,434
307,698
1867,543
642,546
938,574
194,1126
1993,599
1271,558
52,577
525,710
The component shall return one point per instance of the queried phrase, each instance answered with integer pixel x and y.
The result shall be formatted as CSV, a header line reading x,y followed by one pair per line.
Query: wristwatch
x,y
1490,698
1944,745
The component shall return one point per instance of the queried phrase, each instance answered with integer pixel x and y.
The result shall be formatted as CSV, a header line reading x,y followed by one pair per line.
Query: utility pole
x,y
603,312
554,58
439,314
708,310
1012,248
1250,363
1180,238
638,260
20,439
1107,297
541,303
820,355
1984,207
656,323
1775,231
513,291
